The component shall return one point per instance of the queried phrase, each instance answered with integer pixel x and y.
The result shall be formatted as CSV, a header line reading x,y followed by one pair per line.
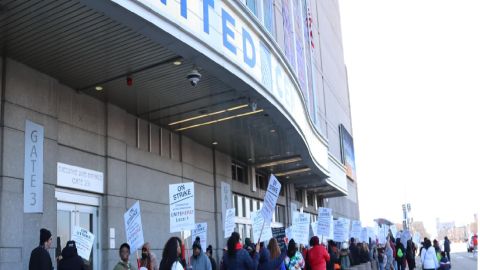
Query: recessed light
x,y
177,62
288,177
272,130
215,143
99,88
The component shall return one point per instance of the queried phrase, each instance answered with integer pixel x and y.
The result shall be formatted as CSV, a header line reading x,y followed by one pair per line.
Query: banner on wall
x,y
229,225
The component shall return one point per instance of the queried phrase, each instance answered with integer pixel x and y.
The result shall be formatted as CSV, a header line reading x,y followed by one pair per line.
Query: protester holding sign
x,y
70,259
237,257
199,261
276,258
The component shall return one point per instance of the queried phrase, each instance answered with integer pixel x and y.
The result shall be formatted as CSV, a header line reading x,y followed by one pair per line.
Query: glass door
x,y
71,215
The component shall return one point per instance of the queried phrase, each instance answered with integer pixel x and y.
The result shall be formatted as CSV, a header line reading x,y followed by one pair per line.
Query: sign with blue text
x,y
257,222
270,200
33,169
325,221
133,227
301,227
83,241
200,231
182,207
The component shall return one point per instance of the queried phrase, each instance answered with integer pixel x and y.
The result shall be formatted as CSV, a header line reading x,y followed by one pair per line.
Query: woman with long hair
x,y
237,257
275,260
171,255
294,259
428,256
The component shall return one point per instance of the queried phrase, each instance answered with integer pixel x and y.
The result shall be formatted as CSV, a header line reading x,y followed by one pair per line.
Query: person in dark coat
x,y
354,253
446,247
263,257
70,259
210,256
40,258
237,257
401,260
334,256
410,254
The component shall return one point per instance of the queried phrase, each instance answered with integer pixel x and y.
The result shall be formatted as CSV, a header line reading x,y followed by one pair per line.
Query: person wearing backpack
x,y
428,256
410,254
401,255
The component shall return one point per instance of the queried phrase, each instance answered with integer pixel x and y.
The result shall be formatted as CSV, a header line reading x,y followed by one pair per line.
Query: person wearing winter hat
x,y
199,260
70,259
210,256
40,258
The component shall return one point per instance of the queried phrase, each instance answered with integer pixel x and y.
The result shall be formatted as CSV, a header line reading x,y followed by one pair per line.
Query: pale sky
x,y
414,79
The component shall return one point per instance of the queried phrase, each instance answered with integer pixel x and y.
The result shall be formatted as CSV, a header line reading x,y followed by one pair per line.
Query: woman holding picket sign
x,y
237,257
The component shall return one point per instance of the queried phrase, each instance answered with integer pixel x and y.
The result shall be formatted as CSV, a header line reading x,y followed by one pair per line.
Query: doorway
x,y
70,215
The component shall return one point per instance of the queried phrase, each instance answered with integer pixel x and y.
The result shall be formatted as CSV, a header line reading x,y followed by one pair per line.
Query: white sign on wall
x,y
226,198
182,207
201,231
83,241
79,178
133,227
229,225
33,168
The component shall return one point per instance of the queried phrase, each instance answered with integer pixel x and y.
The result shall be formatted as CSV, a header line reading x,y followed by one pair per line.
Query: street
x,y
461,260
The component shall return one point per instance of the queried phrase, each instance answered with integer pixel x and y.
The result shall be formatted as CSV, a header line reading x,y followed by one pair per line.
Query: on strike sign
x,y
270,200
182,207
133,227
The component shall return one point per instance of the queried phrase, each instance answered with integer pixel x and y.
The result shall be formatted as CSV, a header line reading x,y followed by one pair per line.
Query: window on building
x,y
310,196
299,195
280,214
261,181
320,202
252,5
239,173
268,16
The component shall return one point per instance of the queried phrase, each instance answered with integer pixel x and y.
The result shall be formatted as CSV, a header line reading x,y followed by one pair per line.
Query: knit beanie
x,y
44,235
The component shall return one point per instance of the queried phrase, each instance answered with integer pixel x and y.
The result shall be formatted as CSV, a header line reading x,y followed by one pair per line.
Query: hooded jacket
x,y
200,262
318,256
70,259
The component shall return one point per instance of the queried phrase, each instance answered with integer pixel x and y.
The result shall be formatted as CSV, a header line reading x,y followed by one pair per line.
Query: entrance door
x,y
70,215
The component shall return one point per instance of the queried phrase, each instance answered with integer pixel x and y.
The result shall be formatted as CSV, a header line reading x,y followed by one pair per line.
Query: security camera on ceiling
x,y
194,77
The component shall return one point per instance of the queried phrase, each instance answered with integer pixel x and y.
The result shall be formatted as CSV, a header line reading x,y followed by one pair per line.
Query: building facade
x,y
105,103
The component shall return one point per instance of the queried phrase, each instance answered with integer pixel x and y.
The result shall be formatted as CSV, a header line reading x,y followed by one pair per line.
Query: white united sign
x,y
220,27
79,178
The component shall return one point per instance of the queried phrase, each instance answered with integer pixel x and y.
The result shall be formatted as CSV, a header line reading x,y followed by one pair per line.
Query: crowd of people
x,y
392,255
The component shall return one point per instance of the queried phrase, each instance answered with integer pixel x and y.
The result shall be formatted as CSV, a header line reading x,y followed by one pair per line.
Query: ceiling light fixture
x,y
272,130
279,162
98,88
219,120
208,114
285,173
177,62
215,143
